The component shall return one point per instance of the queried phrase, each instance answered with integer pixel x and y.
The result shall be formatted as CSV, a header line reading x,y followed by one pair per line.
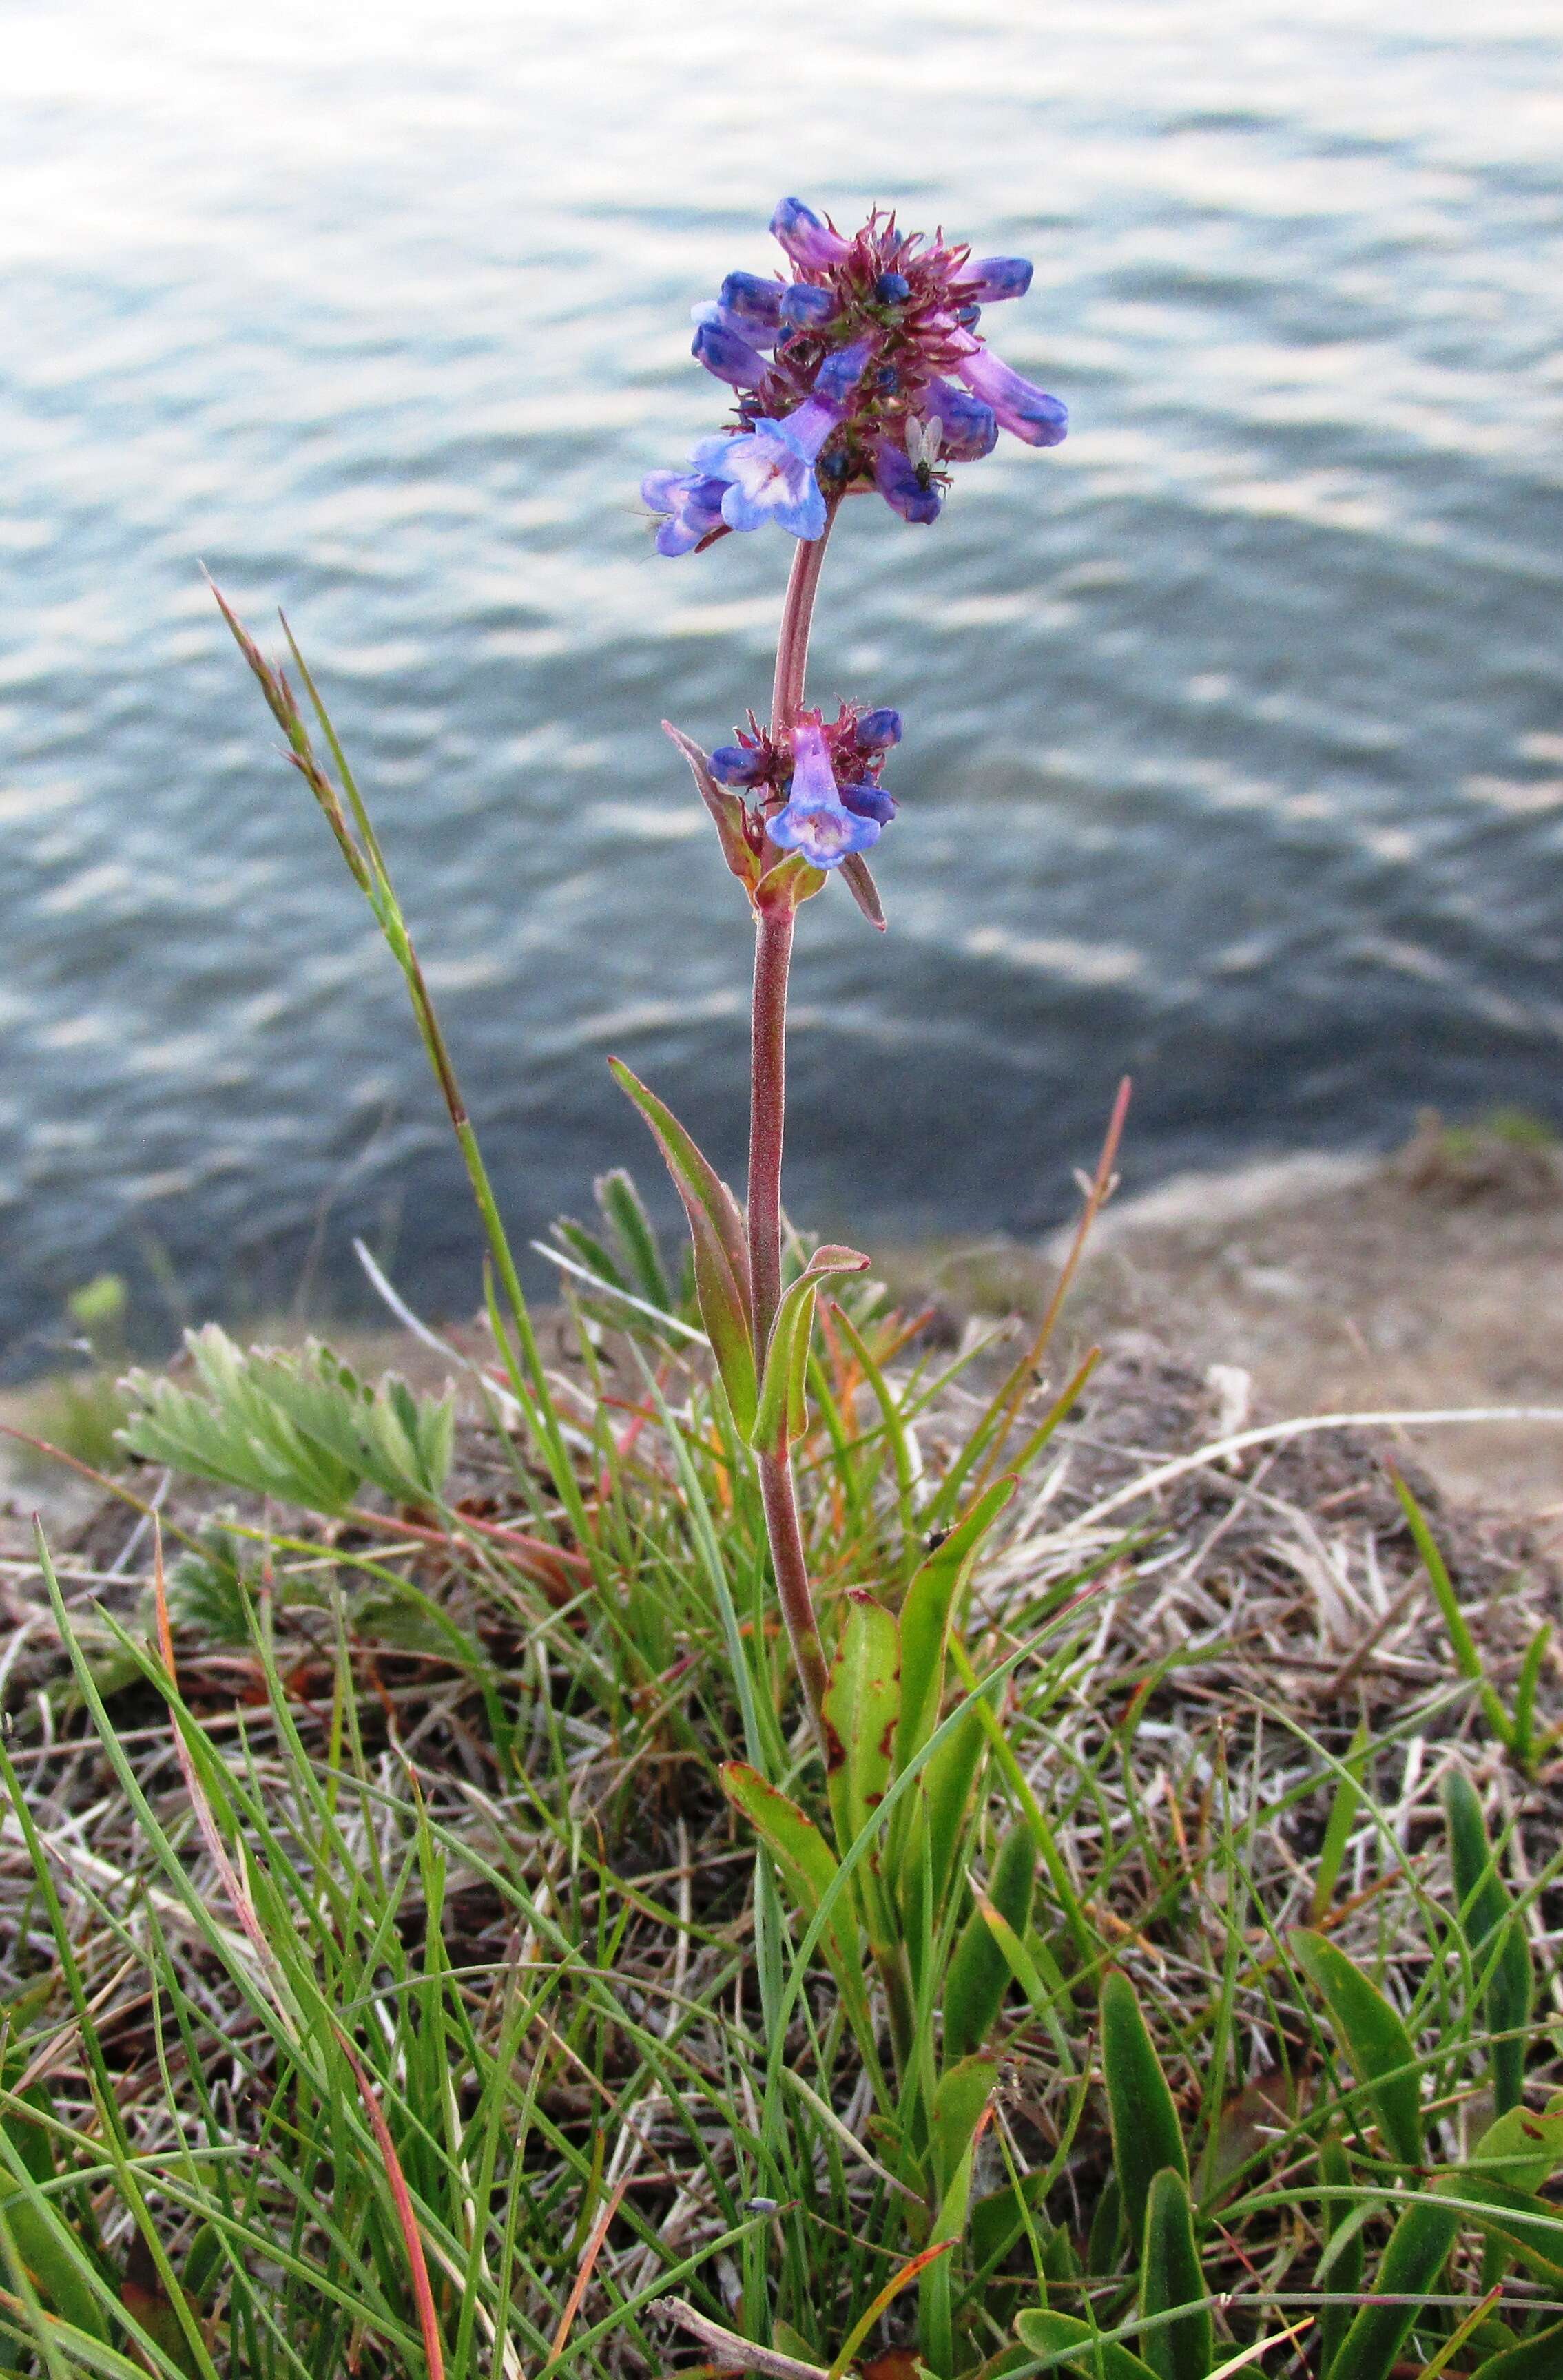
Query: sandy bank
x,y
1433,1279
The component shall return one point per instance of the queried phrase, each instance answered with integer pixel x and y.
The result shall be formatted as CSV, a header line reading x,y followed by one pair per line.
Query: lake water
x,y
1234,752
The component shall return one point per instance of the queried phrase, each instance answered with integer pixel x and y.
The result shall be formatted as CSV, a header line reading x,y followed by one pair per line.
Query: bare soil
x,y
1431,1281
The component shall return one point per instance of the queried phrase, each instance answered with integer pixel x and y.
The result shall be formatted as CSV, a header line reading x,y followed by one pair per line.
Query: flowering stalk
x,y
859,371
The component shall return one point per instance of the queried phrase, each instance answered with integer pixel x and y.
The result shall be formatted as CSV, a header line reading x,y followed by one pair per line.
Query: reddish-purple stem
x,y
773,951
767,1116
767,1111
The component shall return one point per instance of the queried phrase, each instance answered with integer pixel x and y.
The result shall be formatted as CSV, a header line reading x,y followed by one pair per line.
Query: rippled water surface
x,y
1235,745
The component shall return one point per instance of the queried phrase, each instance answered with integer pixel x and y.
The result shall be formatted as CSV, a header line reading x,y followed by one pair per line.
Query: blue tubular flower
x,y
877,729
815,820
769,473
841,371
734,764
805,307
1023,408
906,488
867,368
757,303
728,354
991,278
969,428
807,241
692,504
713,314
869,801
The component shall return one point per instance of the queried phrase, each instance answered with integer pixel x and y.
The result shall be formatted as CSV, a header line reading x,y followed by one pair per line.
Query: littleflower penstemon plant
x,y
859,370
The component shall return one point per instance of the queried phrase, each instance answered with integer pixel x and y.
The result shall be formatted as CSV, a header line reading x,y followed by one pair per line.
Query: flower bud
x,y
869,801
877,729
840,372
806,308
969,428
754,301
806,239
892,289
906,489
719,317
991,278
735,764
728,355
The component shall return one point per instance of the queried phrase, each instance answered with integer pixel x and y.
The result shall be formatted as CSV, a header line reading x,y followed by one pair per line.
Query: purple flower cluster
x,y
863,368
817,790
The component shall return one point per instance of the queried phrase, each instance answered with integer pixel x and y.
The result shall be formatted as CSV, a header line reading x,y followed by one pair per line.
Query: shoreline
x,y
1428,1280
1319,1282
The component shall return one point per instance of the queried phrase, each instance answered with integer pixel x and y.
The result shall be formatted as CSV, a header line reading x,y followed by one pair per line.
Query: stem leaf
x,y
722,1284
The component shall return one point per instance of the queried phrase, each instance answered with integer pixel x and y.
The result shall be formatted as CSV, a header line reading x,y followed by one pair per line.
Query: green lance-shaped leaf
x,y
1374,2039
943,1794
1341,2272
960,2104
862,1697
722,1284
726,811
1530,2359
1523,2148
1495,1938
930,1600
781,1416
1147,2136
979,1971
1408,2270
1171,2274
1096,2359
808,1867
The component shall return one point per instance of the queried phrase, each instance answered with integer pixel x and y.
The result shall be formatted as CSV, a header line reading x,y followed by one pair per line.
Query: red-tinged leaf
x,y
407,2215
727,809
808,1867
722,1286
865,891
861,1703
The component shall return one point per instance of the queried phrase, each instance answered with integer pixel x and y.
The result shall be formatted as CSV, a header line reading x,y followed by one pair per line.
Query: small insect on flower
x,y
924,444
